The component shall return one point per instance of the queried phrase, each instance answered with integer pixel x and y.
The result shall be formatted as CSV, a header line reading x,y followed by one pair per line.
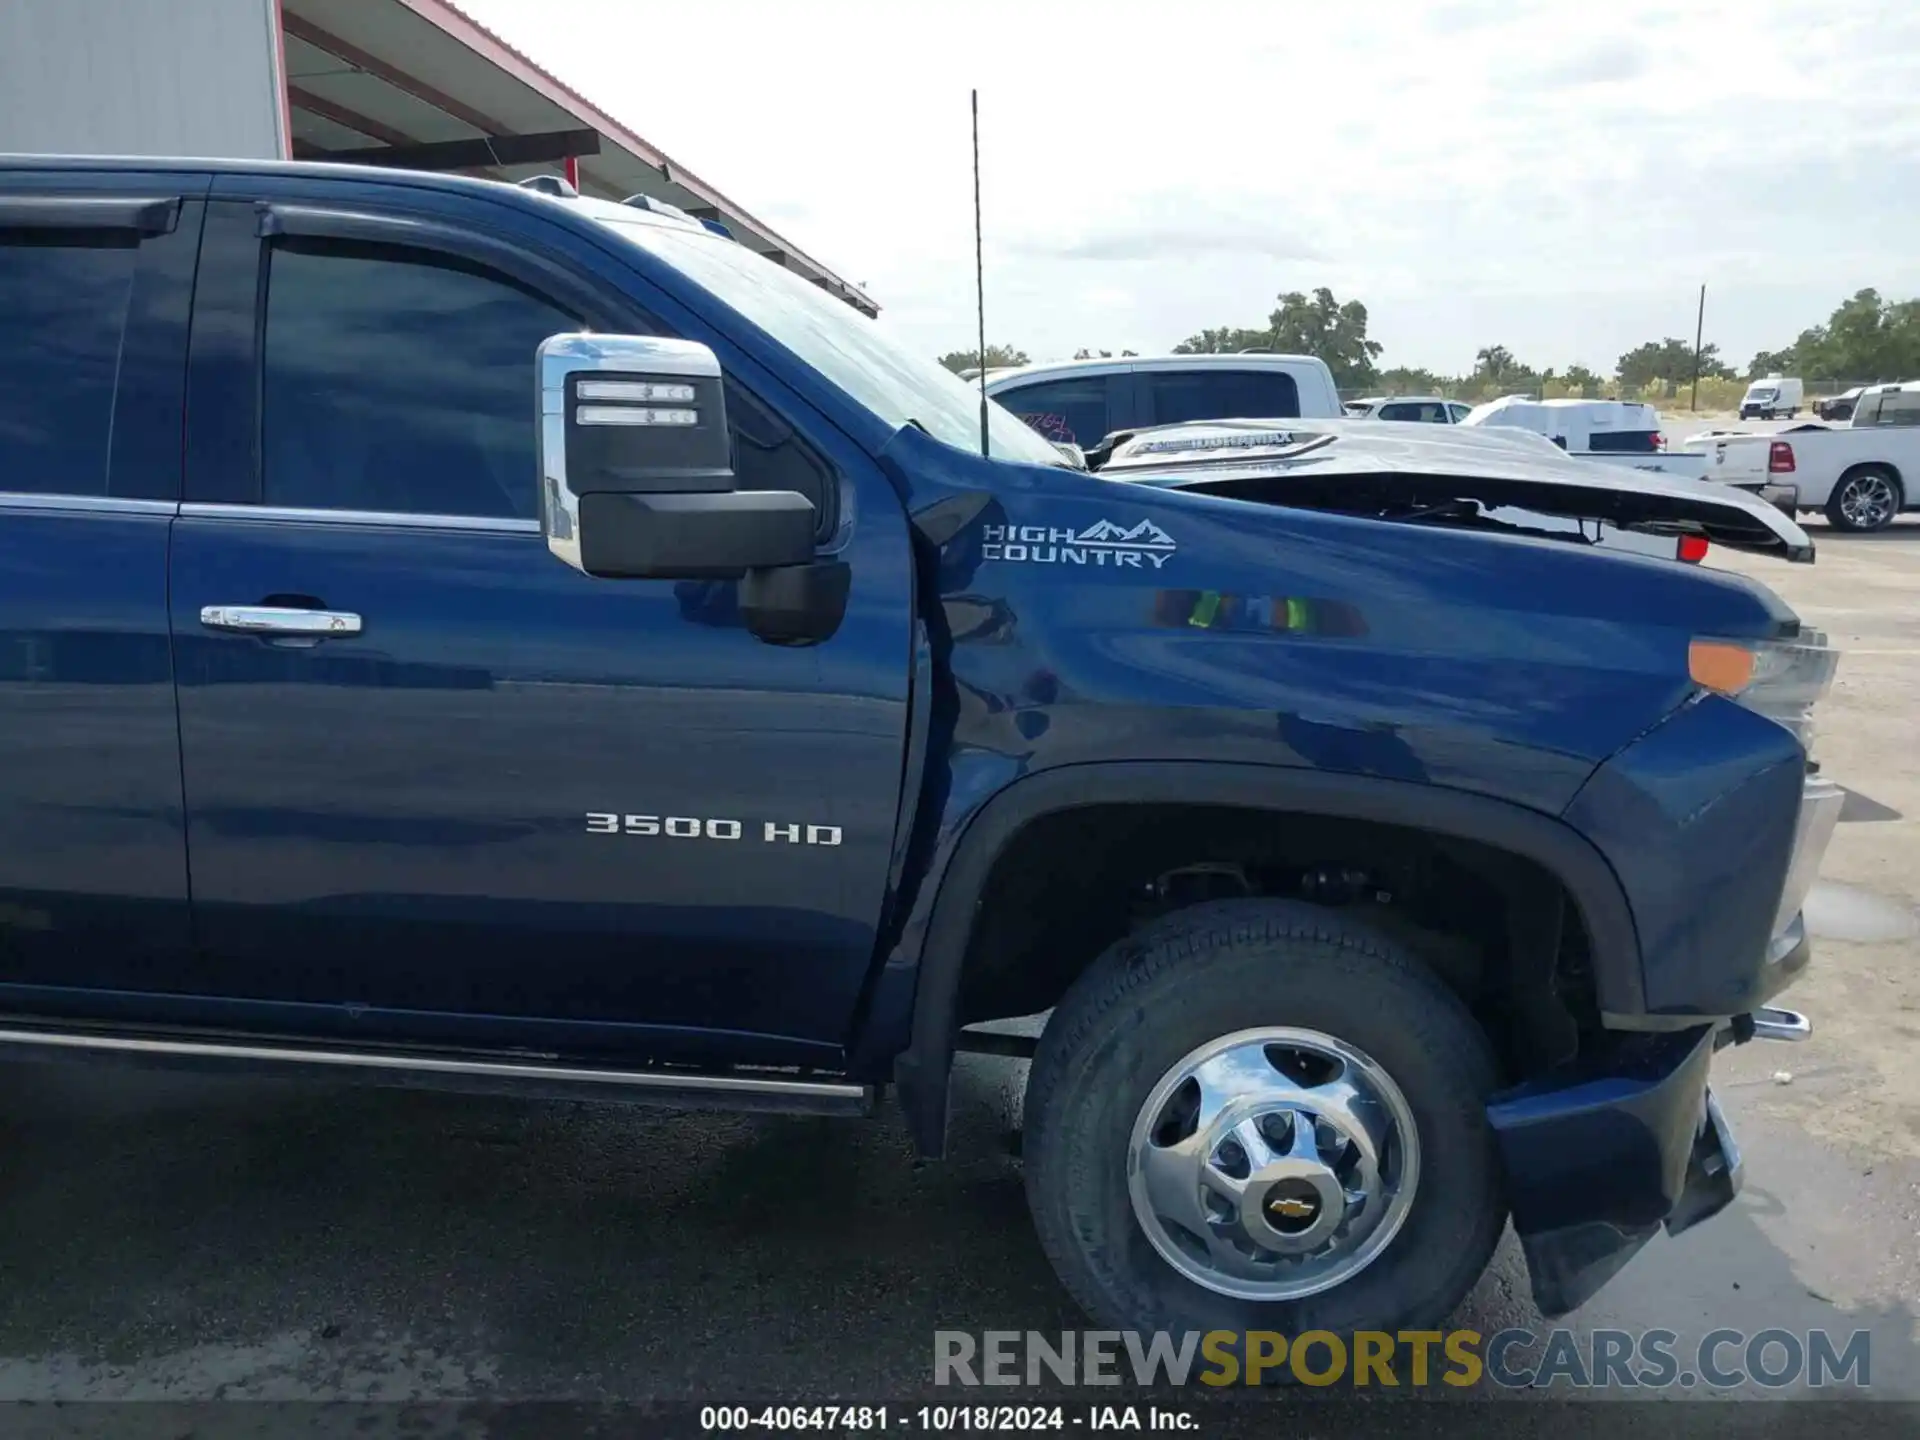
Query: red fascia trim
x,y
280,62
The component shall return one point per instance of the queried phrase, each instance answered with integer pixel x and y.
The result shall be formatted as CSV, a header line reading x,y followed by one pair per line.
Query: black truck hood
x,y
1405,470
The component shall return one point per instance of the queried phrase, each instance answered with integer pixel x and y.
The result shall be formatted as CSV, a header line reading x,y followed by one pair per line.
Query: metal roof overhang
x,y
365,77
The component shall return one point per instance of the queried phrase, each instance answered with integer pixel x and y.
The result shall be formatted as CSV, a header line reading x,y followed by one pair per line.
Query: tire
x,y
1141,1009
1866,499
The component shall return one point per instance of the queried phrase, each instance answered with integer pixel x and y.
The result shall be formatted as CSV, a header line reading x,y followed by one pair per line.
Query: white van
x,y
1772,397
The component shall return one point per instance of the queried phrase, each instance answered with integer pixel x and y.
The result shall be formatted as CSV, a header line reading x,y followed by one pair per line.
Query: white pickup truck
x,y
1081,402
1860,475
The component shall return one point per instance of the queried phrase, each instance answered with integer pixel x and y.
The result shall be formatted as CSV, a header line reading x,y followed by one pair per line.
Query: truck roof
x,y
1608,413
497,190
539,192
319,169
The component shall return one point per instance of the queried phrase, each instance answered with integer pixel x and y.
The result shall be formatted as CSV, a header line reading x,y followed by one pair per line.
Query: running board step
x,y
534,1076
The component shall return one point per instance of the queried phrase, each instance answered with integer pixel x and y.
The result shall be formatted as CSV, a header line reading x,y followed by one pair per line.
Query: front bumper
x,y
1790,949
1628,1139
1821,802
1602,1156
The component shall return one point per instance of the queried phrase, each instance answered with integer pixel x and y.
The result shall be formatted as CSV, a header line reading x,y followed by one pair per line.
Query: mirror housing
x,y
721,535
637,483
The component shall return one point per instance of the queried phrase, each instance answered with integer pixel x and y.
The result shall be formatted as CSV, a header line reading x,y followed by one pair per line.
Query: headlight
x,y
1781,679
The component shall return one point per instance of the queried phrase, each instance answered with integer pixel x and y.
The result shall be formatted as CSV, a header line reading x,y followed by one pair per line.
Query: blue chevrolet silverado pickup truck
x,y
470,635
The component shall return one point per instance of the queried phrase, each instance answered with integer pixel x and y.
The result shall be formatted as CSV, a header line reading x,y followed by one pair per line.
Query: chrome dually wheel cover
x,y
1273,1164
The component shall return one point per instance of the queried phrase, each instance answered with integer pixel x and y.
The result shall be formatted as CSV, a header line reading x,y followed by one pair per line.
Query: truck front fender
x,y
914,1009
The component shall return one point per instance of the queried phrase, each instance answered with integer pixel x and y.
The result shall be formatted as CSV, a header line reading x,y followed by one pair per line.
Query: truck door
x,y
96,271
431,769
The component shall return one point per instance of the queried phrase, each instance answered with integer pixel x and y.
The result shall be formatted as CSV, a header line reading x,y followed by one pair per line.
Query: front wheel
x,y
1866,499
1259,1115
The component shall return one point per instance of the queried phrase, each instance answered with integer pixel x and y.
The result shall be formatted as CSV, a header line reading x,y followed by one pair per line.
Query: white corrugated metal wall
x,y
141,77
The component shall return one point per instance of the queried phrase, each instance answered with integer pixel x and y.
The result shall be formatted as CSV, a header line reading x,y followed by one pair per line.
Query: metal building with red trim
x,y
414,83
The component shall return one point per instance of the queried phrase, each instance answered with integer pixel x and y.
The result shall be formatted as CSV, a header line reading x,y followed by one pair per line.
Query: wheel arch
x,y
1886,465
923,1069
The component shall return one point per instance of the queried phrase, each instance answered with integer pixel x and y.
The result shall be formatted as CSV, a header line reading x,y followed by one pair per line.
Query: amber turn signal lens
x,y
1720,666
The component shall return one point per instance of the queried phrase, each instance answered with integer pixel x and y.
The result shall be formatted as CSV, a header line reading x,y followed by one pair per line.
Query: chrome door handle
x,y
279,620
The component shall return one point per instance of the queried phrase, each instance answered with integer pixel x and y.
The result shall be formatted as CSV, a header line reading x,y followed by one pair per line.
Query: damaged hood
x,y
1397,470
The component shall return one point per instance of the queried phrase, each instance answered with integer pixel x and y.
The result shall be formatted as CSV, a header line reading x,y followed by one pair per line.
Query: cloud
x,y
1612,61
1178,237
1462,16
1556,179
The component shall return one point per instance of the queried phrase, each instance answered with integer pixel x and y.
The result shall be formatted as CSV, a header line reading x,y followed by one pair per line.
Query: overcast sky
x,y
1555,177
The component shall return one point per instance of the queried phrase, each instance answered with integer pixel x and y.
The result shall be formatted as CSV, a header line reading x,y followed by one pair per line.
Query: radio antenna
x,y
979,274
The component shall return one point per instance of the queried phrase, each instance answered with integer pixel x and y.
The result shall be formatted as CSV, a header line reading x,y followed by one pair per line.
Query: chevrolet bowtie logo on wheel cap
x,y
1291,1207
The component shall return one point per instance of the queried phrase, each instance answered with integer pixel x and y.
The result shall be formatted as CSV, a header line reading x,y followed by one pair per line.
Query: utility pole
x,y
1699,329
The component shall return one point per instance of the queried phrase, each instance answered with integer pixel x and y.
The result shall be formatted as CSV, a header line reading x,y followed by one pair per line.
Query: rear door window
x,y
63,311
1900,407
1172,397
1624,442
1077,410
1426,412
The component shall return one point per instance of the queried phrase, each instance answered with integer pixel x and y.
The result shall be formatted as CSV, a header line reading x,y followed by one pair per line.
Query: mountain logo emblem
x,y
1145,535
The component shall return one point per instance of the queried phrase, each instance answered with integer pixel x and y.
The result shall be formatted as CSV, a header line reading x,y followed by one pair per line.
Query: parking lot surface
x,y
187,1238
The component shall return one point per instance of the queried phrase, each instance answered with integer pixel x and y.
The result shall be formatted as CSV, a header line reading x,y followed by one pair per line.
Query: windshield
x,y
839,342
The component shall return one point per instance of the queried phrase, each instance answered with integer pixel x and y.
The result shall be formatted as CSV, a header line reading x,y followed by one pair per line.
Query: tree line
x,y
1866,339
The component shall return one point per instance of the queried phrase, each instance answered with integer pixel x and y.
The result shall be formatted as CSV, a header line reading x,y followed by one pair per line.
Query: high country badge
x,y
1139,547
